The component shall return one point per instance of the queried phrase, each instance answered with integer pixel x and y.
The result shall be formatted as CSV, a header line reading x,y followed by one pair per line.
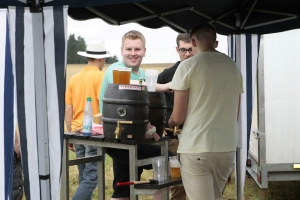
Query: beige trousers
x,y
204,175
177,192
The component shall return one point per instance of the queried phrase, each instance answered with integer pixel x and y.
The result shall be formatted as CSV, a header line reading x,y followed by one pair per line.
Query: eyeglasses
x,y
106,59
183,50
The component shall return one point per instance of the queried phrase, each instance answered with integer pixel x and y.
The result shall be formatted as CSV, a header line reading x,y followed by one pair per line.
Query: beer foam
x,y
175,164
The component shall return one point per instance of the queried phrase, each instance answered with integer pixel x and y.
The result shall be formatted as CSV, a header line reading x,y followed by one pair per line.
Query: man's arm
x,y
178,115
69,116
17,145
163,87
68,119
158,87
238,111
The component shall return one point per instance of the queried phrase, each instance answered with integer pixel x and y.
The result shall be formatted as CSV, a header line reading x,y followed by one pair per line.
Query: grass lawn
x,y
276,190
147,174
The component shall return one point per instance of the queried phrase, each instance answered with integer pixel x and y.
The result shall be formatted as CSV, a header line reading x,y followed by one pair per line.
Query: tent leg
x,y
41,104
239,159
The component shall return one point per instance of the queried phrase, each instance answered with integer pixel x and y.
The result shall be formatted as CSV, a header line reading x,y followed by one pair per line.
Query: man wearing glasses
x,y
184,50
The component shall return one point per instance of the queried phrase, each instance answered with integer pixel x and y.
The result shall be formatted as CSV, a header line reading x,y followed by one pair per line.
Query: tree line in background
x,y
75,45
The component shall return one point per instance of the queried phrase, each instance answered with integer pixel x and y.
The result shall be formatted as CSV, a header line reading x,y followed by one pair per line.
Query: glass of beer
x,y
116,75
174,166
124,75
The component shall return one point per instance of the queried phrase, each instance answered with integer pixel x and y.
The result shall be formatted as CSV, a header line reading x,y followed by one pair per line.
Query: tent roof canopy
x,y
256,16
70,3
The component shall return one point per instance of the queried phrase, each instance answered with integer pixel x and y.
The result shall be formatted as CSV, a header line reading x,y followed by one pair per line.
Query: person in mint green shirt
x,y
133,50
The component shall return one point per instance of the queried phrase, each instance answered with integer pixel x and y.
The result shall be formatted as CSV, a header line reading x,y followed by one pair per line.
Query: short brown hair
x,y
133,35
185,37
90,59
204,31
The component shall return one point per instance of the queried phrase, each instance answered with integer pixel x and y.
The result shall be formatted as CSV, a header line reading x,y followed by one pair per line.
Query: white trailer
x,y
274,147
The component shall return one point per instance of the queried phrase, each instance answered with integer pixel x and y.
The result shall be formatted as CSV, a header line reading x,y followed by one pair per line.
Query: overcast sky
x,y
160,43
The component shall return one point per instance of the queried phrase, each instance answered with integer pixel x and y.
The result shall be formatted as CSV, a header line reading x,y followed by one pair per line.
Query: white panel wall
x,y
253,143
282,97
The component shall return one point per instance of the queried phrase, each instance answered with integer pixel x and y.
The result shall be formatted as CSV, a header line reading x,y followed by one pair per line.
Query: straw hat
x,y
95,50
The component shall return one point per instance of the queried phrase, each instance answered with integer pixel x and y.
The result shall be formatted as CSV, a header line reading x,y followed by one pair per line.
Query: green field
x,y
72,69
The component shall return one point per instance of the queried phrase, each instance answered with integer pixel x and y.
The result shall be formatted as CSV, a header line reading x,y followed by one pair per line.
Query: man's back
x,y
214,83
207,90
86,83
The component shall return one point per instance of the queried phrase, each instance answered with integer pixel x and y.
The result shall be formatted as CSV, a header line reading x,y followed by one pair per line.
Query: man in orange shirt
x,y
86,83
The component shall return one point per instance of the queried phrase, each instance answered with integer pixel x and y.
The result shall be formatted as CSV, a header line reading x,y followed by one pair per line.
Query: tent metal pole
x,y
102,15
273,12
248,14
139,19
239,184
271,22
239,189
41,105
166,13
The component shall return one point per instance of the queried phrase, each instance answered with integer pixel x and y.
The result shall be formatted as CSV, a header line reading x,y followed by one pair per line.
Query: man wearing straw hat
x,y
86,83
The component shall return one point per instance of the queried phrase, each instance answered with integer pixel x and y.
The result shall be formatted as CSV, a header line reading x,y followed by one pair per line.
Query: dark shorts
x,y
121,166
18,179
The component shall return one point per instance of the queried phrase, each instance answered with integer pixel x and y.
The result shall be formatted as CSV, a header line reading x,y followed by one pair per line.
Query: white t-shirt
x,y
215,83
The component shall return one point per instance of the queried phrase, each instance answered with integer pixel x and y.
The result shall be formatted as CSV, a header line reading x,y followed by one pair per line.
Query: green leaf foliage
x,y
75,45
112,60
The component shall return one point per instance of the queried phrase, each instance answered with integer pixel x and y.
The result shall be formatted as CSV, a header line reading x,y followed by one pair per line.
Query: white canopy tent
x,y
38,61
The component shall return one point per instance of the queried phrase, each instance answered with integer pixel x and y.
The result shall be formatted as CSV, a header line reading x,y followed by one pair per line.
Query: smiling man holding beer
x,y
133,50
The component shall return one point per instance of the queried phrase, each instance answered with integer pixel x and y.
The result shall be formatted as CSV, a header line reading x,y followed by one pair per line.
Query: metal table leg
x,y
101,174
133,171
164,151
65,171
